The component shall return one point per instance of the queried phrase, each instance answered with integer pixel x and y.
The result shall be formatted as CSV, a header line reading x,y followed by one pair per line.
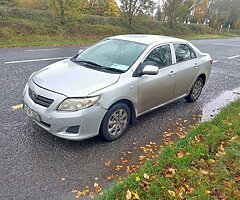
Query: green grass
x,y
48,42
204,165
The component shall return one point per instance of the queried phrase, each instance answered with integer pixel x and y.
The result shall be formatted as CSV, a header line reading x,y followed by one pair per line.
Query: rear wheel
x,y
115,122
195,91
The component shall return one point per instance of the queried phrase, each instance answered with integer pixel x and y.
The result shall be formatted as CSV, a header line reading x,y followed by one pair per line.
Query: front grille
x,y
38,99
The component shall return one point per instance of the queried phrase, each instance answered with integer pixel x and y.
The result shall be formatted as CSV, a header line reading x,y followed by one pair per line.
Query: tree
x,y
177,10
7,2
200,10
59,7
132,7
224,12
101,7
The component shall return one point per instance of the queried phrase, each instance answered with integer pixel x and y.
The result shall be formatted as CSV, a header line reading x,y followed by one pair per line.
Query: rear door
x,y
186,68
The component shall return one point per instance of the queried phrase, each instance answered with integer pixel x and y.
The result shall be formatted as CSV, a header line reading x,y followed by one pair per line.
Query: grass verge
x,y
204,165
48,42
62,41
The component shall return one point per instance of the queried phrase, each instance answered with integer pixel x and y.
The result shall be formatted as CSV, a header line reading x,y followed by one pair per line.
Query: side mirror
x,y
150,70
80,51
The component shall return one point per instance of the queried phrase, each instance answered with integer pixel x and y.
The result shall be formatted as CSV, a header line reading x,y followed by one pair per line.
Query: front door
x,y
154,90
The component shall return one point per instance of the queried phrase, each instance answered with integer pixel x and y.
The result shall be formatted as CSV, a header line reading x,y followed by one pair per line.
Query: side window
x,y
160,57
184,52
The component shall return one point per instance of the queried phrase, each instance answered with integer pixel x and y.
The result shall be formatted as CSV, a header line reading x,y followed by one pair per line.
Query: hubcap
x,y
117,122
197,89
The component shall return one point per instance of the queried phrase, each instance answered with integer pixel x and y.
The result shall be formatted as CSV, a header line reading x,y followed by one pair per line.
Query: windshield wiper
x,y
97,66
113,69
89,63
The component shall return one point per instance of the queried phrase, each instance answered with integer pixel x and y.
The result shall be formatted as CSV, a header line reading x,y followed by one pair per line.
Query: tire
x,y
195,90
115,122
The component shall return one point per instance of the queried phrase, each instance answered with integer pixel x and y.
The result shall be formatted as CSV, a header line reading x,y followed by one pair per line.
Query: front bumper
x,y
59,123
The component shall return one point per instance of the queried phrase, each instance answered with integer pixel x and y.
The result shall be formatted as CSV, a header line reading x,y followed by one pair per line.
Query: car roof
x,y
147,39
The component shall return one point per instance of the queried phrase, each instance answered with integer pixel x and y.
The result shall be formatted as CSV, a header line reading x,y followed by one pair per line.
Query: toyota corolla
x,y
106,87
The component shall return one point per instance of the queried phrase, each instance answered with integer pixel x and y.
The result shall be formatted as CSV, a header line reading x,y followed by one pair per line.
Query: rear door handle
x,y
172,73
196,65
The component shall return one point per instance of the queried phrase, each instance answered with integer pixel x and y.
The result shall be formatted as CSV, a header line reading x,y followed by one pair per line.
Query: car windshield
x,y
113,55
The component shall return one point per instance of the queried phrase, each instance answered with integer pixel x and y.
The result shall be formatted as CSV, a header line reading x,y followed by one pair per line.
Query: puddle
x,y
213,108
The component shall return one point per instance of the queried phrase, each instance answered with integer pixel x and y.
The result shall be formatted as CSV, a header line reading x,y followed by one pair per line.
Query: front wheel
x,y
195,91
115,122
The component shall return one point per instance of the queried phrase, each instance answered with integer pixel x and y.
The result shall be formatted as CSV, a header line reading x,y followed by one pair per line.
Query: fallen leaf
x,y
207,192
181,190
181,154
95,185
172,193
98,189
140,158
17,106
146,176
204,172
197,138
124,161
234,137
137,178
212,161
220,153
169,172
145,185
236,178
107,163
118,167
110,177
128,195
63,179
135,195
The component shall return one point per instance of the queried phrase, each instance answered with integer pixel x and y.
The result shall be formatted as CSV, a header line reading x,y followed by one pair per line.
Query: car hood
x,y
73,80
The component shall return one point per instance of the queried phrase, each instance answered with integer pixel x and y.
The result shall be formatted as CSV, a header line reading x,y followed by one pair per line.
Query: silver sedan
x,y
106,87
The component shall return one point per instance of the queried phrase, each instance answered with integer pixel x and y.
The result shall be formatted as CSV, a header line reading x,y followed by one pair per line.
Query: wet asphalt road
x,y
33,162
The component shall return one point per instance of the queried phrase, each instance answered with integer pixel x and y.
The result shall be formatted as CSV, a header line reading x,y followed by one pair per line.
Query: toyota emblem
x,y
34,94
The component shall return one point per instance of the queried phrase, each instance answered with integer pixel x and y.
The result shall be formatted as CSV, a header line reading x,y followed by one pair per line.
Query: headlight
x,y
75,104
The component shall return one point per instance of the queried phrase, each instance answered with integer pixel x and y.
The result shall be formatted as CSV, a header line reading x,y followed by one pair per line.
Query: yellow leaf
x,y
111,177
17,106
135,195
128,195
95,185
137,178
107,164
172,193
146,176
207,192
234,137
204,172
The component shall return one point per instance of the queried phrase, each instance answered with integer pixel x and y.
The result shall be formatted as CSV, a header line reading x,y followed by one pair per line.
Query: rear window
x,y
184,52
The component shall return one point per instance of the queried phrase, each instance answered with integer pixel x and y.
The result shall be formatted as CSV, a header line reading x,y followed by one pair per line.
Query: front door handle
x,y
172,73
